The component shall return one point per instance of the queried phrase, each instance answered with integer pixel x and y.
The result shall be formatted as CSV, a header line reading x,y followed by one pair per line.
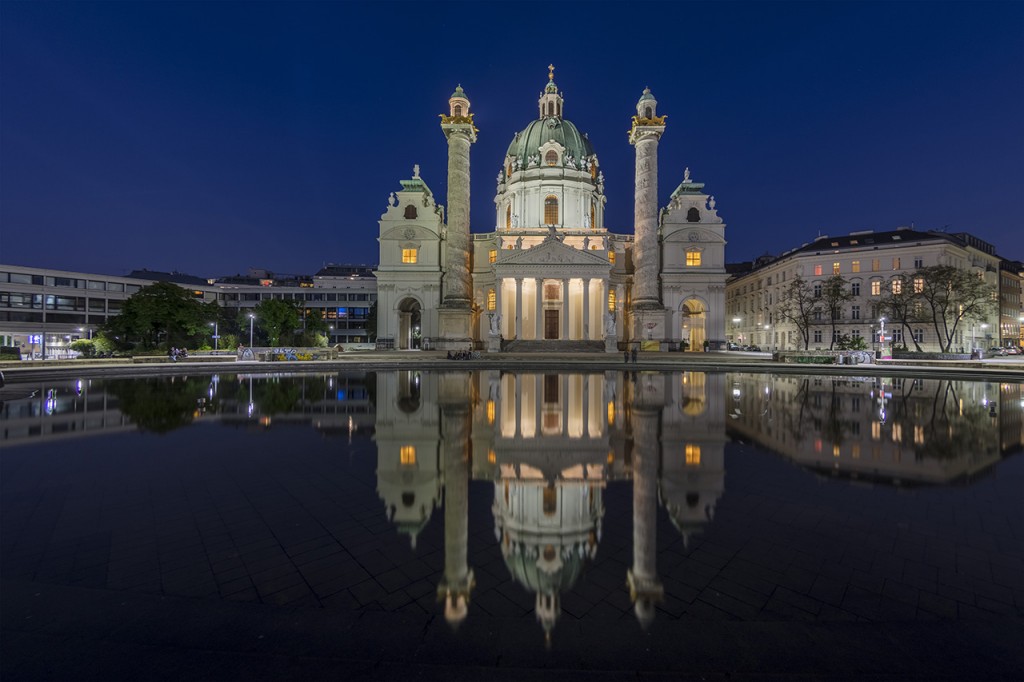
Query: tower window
x,y
692,259
611,256
593,214
551,209
508,217
551,108
407,455
693,215
458,110
409,255
611,302
492,300
648,113
492,255
551,158
410,212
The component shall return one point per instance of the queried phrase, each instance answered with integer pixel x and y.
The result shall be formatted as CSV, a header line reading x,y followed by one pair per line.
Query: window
x,y
407,455
855,288
897,335
817,336
897,286
693,215
855,266
492,299
458,110
835,268
692,259
918,263
551,108
692,455
490,420
918,285
410,212
508,216
855,312
876,288
593,213
855,333
409,255
551,158
551,209
817,291
611,300
817,270
919,335
492,255
875,265
895,263
648,113
611,256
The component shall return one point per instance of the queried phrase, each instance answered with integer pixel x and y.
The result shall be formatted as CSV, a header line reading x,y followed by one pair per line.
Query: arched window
x,y
611,304
458,110
593,214
648,113
551,158
551,108
410,212
551,210
693,215
508,216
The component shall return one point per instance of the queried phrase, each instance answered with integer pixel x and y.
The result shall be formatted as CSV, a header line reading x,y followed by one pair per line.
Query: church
x,y
551,276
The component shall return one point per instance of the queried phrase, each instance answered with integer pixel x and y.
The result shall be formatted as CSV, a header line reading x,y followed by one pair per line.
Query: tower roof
x,y
459,92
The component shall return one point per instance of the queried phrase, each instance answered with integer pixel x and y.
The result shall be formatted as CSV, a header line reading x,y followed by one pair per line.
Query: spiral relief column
x,y
455,314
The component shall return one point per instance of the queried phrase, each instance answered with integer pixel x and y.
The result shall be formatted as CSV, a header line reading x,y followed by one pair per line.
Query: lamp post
x,y
768,335
216,336
881,334
735,323
252,319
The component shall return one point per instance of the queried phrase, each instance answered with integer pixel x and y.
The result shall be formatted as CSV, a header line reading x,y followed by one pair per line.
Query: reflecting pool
x,y
542,502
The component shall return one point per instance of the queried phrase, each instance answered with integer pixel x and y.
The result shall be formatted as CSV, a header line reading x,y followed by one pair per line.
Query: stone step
x,y
552,346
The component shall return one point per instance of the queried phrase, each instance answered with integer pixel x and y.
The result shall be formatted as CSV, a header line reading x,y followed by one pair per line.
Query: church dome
x,y
549,128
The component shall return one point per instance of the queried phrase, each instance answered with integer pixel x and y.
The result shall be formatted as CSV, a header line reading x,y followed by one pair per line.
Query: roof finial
x,y
551,72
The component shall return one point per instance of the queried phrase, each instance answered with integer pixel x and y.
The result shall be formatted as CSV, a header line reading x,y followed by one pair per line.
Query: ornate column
x,y
565,310
458,581
648,312
539,283
455,314
645,590
519,308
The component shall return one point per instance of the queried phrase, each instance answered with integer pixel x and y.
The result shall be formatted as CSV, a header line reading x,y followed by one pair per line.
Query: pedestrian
x,y
625,356
634,354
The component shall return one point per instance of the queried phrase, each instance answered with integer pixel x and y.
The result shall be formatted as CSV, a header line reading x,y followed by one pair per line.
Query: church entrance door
x,y
550,324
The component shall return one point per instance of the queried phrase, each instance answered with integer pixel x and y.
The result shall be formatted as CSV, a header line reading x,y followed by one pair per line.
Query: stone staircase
x,y
551,346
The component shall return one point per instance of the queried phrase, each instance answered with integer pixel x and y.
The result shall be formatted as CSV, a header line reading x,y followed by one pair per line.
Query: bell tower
x,y
550,102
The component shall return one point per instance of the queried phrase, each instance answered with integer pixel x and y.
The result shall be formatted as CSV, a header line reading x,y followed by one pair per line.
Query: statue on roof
x,y
686,174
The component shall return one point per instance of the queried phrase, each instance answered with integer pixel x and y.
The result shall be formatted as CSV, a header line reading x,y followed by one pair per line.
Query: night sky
x,y
209,138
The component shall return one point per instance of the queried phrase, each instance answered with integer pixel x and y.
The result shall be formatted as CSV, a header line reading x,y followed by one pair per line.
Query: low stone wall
x,y
902,355
824,357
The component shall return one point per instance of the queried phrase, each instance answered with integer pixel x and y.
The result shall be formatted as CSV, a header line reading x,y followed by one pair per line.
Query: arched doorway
x,y
408,324
694,319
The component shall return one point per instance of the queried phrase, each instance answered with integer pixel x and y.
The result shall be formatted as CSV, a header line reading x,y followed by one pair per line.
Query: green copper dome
x,y
563,132
459,92
647,95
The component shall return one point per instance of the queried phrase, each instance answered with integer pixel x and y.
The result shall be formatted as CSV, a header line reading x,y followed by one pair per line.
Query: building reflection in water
x,y
552,443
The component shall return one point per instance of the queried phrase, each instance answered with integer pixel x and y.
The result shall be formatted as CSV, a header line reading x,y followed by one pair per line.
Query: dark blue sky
x,y
214,137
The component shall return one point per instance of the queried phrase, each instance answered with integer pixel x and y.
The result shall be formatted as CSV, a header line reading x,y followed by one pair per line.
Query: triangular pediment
x,y
552,252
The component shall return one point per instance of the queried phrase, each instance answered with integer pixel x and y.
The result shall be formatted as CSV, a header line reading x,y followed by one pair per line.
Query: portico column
x,y
540,307
519,307
565,310
586,308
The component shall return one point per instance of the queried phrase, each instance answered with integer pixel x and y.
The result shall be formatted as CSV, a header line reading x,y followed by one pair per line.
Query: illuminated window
x,y
692,455
874,265
897,432
611,413
692,259
876,430
508,171
593,212
550,500
856,266
611,300
876,288
492,299
835,449
508,217
458,110
835,268
918,285
409,255
855,450
897,286
817,270
551,158
492,255
407,455
551,210
918,434
490,411
491,457
895,263
611,256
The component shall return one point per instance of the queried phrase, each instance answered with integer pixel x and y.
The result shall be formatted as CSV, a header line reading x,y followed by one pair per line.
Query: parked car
x,y
733,346
996,350
1013,350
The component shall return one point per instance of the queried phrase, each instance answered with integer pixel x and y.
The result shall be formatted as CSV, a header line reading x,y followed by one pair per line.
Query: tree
x,y
279,319
160,314
798,305
952,297
833,295
902,305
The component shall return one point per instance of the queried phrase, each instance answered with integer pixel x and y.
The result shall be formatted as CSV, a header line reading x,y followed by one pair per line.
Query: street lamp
x,y
252,319
881,334
768,334
216,336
